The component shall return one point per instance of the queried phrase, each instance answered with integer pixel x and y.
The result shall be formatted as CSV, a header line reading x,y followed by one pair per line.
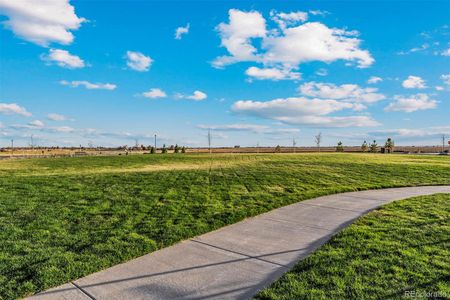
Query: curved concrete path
x,y
238,260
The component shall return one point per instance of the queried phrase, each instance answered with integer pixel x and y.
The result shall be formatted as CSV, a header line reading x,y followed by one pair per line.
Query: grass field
x,y
64,218
399,249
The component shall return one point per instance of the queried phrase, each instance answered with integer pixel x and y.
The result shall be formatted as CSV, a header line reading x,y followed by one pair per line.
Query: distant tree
x,y
152,150
171,147
374,147
318,140
364,147
164,149
176,149
339,147
278,149
389,145
183,149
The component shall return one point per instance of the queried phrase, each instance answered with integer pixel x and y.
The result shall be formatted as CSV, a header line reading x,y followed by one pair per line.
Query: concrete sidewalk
x,y
238,260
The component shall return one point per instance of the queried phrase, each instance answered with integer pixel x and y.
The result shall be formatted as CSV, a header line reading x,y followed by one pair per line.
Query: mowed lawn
x,y
399,251
64,218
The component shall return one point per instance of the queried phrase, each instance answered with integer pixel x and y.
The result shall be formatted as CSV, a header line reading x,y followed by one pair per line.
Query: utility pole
x,y
294,143
209,140
12,147
318,139
155,142
443,143
31,142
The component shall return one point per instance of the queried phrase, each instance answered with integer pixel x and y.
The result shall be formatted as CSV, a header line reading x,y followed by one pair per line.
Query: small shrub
x,y
339,147
277,149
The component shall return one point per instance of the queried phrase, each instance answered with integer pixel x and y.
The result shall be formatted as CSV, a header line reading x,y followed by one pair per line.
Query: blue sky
x,y
112,72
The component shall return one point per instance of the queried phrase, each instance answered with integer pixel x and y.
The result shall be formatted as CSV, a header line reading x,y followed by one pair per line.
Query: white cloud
x,y
411,103
312,41
374,79
322,13
322,72
196,96
63,59
436,131
439,88
446,79
288,19
237,34
89,85
446,52
138,61
61,129
303,111
13,108
238,127
271,73
180,31
234,127
154,93
414,82
346,92
56,117
36,124
41,22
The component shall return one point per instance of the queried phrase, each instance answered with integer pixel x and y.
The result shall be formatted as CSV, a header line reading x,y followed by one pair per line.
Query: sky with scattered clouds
x,y
253,72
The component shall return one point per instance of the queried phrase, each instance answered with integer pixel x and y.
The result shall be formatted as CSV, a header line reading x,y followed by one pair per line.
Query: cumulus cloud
x,y
271,73
346,92
303,111
289,45
446,52
411,103
374,79
414,82
237,34
41,22
138,61
154,93
63,59
180,31
196,96
56,117
13,108
89,85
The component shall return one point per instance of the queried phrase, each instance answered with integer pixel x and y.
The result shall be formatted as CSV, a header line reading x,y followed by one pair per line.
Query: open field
x,y
397,249
64,218
65,152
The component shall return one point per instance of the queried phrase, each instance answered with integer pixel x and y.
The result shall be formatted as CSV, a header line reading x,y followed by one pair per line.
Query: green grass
x,y
401,247
64,218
